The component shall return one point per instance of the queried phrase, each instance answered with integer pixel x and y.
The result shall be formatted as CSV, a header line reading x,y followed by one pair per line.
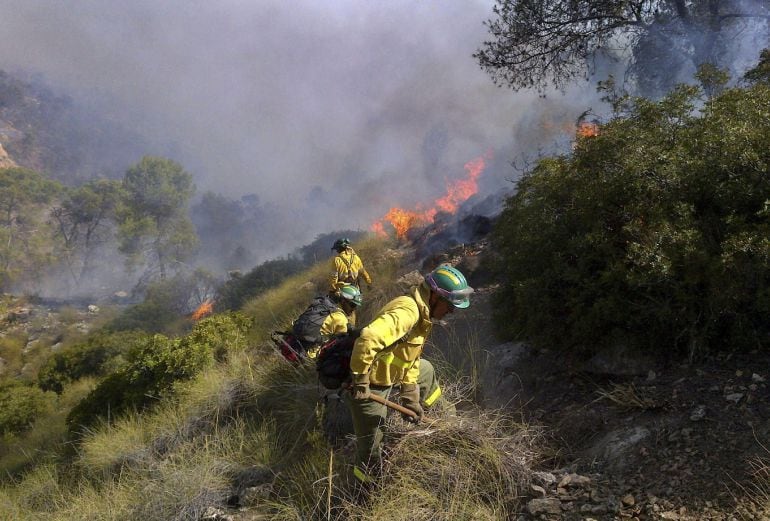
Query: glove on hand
x,y
410,398
360,390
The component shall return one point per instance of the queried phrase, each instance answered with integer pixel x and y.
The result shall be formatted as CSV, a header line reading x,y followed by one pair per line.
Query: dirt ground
x,y
683,442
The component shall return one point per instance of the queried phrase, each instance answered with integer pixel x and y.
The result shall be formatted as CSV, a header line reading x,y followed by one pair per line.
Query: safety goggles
x,y
459,298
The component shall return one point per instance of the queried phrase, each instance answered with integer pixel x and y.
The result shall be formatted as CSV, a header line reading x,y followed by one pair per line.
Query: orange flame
x,y
457,192
205,309
587,129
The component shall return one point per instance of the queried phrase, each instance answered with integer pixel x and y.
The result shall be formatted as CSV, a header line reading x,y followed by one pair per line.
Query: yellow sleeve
x,y
393,322
411,376
334,324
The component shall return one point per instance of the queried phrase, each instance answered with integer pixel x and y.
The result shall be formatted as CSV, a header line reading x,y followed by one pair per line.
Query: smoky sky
x,y
332,110
376,103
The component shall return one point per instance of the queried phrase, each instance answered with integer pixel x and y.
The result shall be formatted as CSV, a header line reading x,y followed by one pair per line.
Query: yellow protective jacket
x,y
389,348
336,323
347,268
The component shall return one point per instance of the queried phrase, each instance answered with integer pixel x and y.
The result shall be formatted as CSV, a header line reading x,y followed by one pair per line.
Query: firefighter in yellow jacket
x,y
387,353
343,319
348,268
327,316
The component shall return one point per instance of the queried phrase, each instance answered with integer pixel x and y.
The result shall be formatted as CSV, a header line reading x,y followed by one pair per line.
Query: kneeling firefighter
x,y
387,353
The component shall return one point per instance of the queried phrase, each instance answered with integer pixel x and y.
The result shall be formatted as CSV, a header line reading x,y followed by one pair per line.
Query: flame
x,y
205,309
457,192
587,129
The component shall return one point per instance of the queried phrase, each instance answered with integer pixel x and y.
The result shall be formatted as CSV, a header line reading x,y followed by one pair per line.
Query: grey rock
x,y
499,373
698,413
539,506
619,360
614,447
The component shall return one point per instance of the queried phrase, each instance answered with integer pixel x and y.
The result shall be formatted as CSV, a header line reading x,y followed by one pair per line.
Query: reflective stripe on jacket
x,y
389,348
347,268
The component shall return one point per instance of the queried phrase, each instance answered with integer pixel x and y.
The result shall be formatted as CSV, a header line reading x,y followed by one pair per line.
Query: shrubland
x,y
653,233
177,426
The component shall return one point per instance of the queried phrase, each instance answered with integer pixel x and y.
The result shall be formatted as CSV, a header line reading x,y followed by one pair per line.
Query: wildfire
x,y
205,309
587,129
457,192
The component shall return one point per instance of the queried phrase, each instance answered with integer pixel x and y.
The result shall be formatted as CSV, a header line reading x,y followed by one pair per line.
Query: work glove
x,y
410,398
360,389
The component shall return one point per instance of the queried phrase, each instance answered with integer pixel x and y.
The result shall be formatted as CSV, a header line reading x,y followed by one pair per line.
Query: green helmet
x,y
341,244
449,283
350,293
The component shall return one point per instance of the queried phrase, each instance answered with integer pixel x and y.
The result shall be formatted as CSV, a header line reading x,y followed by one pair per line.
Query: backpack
x,y
333,361
307,327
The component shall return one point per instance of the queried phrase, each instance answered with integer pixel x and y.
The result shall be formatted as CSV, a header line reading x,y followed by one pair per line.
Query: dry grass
x,y
471,466
258,411
626,396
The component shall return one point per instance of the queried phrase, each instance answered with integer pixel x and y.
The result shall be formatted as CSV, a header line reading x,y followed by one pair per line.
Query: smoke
x,y
330,112
373,102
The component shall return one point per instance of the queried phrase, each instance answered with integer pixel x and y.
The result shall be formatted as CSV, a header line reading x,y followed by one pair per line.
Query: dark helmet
x,y
341,244
350,293
449,283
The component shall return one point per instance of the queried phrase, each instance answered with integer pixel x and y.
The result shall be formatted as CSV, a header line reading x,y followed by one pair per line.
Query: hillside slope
x,y
635,437
51,133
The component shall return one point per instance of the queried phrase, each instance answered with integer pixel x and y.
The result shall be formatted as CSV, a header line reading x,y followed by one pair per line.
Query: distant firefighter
x,y
348,268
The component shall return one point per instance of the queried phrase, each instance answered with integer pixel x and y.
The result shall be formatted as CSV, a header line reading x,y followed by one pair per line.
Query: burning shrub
x,y
653,233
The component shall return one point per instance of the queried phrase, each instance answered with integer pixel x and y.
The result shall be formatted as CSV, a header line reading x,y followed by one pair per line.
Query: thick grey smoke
x,y
332,111
376,103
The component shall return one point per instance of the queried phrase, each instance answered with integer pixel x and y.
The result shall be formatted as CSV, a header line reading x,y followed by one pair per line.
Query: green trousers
x,y
369,420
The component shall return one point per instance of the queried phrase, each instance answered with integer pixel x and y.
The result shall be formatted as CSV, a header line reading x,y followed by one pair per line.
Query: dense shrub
x,y
155,363
224,333
653,233
96,356
20,405
240,288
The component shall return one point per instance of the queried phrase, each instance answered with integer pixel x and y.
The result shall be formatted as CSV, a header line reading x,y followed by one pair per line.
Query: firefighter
x,y
387,354
347,266
340,319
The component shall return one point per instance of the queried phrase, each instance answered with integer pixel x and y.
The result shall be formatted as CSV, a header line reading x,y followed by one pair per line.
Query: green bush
x,y
20,405
96,356
154,364
240,288
653,233
222,332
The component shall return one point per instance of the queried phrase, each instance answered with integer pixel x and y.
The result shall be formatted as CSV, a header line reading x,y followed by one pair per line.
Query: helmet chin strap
x,y
432,302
